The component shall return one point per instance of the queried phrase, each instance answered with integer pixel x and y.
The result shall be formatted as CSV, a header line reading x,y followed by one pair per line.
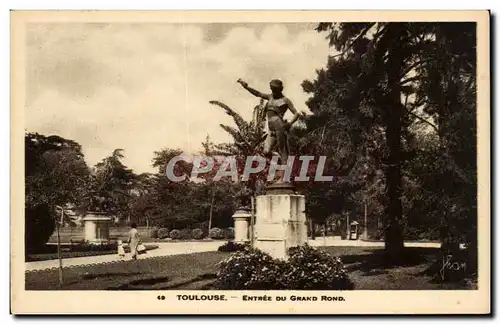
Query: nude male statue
x,y
276,107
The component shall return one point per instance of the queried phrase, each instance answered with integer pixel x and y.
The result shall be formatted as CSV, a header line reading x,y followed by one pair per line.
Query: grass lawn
x,y
369,271
152,273
196,271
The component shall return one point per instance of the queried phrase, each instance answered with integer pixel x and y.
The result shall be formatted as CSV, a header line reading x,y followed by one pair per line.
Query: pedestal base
x,y
280,223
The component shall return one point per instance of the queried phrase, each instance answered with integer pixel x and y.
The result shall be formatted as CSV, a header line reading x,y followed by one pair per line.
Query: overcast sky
x,y
144,87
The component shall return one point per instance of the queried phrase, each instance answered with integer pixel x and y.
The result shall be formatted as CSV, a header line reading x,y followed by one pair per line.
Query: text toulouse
x,y
261,298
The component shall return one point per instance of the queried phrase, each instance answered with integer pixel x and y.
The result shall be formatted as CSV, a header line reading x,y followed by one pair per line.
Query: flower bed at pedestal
x,y
306,269
231,246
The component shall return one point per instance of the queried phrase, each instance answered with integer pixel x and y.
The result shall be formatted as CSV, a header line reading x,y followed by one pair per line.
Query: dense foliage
x,y
310,268
306,269
175,234
39,226
197,234
395,112
55,174
216,233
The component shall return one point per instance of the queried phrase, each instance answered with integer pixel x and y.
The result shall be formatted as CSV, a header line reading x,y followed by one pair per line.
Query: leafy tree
x,y
55,170
170,197
111,187
55,174
377,93
447,90
144,203
162,157
186,203
60,177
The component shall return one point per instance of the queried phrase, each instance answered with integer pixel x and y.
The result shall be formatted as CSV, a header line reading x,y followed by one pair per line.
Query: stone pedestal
x,y
96,227
280,223
280,188
241,224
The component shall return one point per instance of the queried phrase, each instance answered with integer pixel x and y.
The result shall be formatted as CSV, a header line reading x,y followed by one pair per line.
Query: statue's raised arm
x,y
253,91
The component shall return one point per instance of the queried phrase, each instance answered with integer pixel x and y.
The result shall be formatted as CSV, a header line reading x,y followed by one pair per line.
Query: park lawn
x,y
196,271
369,270
164,271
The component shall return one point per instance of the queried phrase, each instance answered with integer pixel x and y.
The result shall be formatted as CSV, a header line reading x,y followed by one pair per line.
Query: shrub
x,y
39,226
251,269
306,269
197,234
185,234
153,232
216,233
311,269
318,231
231,246
229,233
175,234
163,233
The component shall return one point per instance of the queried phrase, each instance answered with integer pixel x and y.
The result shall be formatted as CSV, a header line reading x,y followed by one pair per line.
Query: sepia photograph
x,y
204,158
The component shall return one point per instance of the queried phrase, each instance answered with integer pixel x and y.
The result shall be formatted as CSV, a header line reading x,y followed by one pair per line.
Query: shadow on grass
x,y
416,262
165,282
90,276
96,276
375,261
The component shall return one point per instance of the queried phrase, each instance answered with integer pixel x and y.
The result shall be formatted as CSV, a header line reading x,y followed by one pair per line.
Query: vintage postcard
x,y
240,162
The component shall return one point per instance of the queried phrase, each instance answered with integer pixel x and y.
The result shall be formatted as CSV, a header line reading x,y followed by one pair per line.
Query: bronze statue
x,y
276,107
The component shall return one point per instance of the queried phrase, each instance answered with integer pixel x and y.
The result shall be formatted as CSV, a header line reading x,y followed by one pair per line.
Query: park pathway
x,y
171,248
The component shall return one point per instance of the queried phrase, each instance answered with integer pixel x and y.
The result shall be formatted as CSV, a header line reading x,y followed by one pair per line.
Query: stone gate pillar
x,y
241,225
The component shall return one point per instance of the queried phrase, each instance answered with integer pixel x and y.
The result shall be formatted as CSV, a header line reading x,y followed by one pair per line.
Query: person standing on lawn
x,y
133,240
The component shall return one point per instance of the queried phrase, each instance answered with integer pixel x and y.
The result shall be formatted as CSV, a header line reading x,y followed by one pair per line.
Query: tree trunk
x,y
59,256
394,243
211,211
252,223
365,230
348,227
324,234
311,227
